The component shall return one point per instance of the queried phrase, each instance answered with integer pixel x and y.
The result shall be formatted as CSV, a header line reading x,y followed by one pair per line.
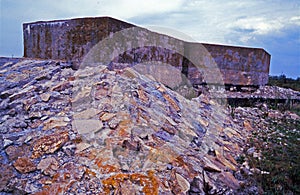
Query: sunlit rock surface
x,y
100,131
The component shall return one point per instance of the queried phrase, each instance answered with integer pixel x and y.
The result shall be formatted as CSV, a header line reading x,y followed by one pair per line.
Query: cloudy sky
x,y
270,24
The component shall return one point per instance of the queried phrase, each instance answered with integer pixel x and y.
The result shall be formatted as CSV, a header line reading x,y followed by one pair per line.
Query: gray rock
x,y
251,150
4,104
20,124
7,142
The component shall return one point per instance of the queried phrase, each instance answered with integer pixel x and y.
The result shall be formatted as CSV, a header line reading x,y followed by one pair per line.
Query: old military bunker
x,y
119,44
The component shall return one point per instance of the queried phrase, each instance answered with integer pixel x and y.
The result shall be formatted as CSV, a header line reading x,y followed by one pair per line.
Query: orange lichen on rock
x,y
105,169
90,172
112,182
123,128
149,183
91,154
153,186
54,189
181,162
49,144
123,132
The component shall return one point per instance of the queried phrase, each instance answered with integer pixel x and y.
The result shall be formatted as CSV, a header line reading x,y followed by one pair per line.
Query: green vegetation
x,y
283,81
273,148
279,146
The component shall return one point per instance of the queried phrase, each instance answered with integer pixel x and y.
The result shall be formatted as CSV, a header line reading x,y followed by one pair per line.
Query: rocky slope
x,y
97,131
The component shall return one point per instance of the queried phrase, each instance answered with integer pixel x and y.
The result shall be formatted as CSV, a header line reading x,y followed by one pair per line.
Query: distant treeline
x,y
283,81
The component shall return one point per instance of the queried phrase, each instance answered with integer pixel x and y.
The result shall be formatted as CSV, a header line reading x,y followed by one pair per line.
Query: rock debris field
x,y
100,131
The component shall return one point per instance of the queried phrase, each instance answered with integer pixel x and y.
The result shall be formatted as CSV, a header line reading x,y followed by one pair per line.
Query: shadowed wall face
x,y
72,39
241,65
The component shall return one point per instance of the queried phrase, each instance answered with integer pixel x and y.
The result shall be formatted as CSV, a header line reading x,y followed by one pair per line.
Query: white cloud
x,y
215,20
122,9
295,20
206,21
258,25
239,22
127,9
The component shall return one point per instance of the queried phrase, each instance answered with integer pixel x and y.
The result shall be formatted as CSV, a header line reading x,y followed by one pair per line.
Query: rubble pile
x,y
100,131
96,131
263,92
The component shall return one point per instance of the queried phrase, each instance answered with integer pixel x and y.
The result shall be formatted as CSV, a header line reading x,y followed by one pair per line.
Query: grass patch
x,y
279,146
283,81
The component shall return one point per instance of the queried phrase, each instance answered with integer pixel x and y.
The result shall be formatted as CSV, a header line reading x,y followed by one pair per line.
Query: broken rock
x,y
6,175
229,179
48,166
86,114
107,116
45,97
49,144
87,126
55,122
24,165
183,183
14,152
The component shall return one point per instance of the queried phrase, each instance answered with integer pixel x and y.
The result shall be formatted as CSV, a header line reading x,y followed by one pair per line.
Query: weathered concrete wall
x,y
67,39
241,65
202,63
238,65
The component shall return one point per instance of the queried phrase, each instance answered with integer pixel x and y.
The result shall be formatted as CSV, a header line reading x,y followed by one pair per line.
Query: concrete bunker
x,y
72,40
